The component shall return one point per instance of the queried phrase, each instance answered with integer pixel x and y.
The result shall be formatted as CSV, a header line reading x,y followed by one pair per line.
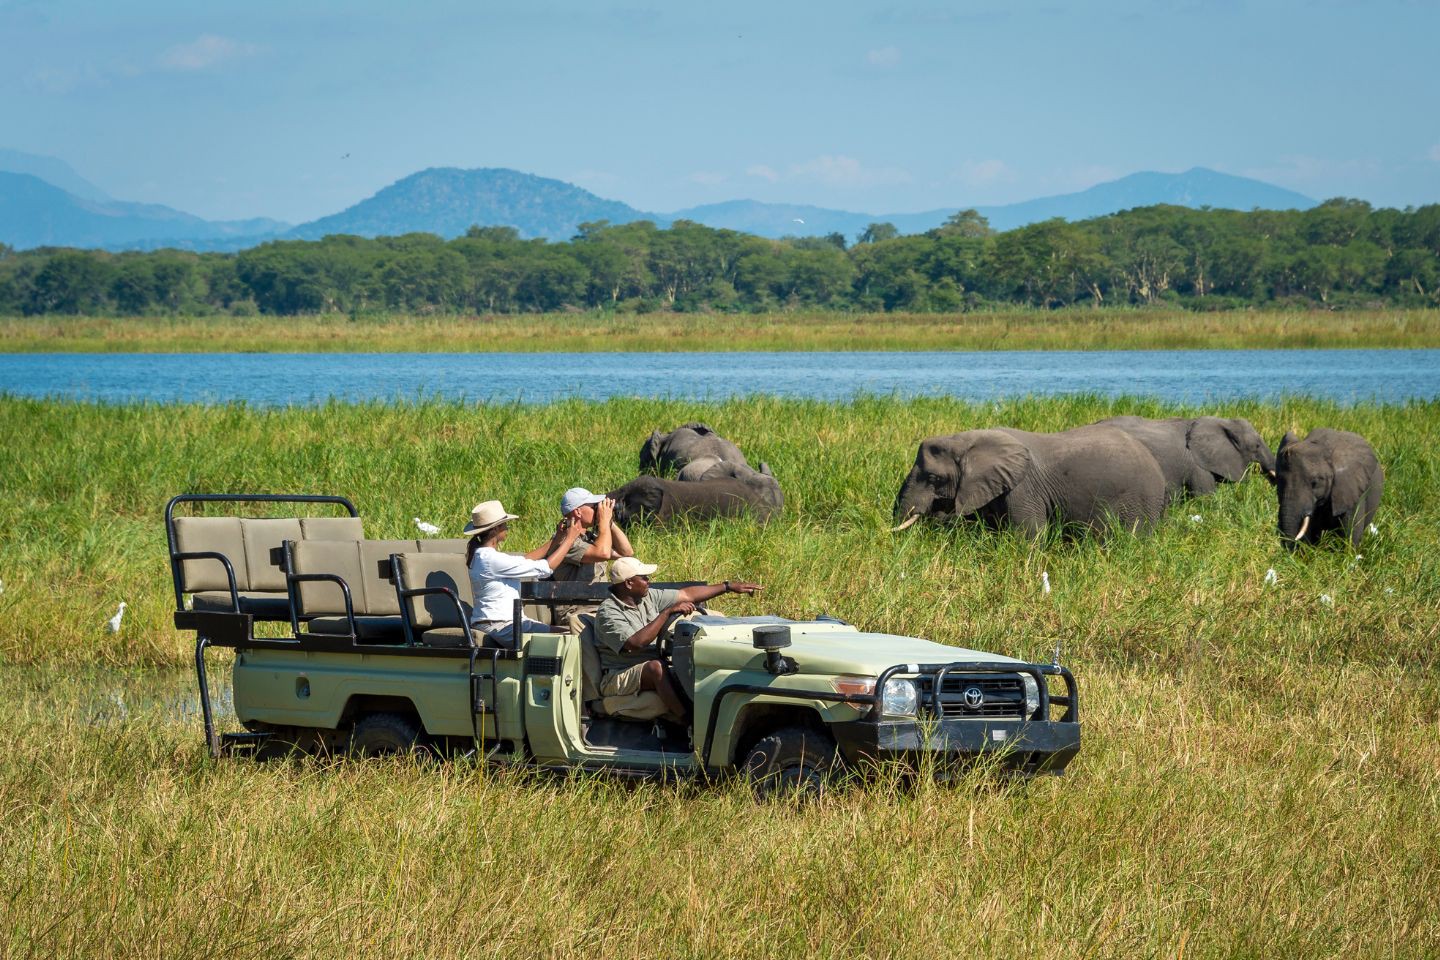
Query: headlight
x,y
898,699
1032,695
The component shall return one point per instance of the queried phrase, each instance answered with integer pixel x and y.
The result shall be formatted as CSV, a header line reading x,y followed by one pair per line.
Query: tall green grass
x,y
1260,773
1012,329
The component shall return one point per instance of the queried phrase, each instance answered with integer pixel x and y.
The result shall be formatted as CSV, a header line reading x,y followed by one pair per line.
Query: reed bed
x,y
1260,774
1009,329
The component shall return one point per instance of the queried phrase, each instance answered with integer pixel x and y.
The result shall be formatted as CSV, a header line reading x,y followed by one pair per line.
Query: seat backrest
x,y
589,660
253,545
414,571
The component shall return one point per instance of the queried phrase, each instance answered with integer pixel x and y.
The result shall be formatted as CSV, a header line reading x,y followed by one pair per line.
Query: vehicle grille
x,y
1002,697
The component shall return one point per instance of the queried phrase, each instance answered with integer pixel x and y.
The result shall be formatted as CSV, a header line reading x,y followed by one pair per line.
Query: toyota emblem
x,y
974,696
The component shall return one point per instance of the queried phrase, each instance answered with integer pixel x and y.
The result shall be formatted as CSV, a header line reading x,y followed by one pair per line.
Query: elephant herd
x,y
1123,471
1117,473
712,478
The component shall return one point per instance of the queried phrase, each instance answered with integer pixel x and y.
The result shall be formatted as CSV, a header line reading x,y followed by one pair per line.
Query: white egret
x,y
429,529
1326,599
1195,518
113,624
1270,577
1045,581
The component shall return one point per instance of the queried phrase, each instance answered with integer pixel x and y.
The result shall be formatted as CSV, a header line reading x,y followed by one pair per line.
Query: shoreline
x,y
802,332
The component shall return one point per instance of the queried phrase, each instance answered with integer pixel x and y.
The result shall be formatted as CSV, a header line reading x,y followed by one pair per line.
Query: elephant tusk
x,y
1304,525
907,524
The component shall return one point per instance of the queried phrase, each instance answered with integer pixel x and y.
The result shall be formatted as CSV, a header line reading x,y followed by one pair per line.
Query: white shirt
x,y
495,580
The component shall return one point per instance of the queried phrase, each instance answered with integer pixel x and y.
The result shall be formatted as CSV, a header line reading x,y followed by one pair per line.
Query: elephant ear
x,y
650,452
993,465
1216,448
703,429
1353,477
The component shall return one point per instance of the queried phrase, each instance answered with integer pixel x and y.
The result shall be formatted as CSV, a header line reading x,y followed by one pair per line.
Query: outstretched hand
x,y
739,586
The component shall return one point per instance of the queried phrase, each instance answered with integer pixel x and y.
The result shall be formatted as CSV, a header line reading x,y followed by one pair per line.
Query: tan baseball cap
x,y
626,567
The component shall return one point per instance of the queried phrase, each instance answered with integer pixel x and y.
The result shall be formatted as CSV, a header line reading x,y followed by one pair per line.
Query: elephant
x,y
664,452
708,468
1093,476
1196,454
659,499
1331,480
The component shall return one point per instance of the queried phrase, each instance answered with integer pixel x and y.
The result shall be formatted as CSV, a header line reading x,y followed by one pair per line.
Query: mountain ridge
x,y
448,200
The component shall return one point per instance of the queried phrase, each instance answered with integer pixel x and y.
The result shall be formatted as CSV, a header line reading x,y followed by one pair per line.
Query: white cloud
x,y
708,178
883,56
763,172
979,173
839,171
205,51
1434,153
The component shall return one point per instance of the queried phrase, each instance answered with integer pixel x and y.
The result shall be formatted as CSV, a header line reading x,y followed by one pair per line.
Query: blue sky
x,y
233,110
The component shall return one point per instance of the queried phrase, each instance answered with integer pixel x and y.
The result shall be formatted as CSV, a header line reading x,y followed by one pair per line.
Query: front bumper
x,y
1035,746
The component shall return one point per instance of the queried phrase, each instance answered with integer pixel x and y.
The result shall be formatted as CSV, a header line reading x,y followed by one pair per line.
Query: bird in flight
x,y
797,220
346,157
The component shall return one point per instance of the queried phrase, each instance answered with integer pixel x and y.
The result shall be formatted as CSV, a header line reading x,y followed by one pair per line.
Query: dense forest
x,y
1340,253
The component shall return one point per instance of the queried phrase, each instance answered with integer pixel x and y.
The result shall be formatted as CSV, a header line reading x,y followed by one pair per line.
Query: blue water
x,y
1189,376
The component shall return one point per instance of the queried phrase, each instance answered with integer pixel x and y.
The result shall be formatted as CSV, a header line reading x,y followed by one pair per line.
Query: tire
x,y
792,761
385,734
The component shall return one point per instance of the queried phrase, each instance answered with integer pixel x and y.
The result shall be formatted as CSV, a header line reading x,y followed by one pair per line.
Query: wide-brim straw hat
x,y
487,516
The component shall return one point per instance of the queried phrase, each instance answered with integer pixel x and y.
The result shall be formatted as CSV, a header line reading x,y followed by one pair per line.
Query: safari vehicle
x,y
342,643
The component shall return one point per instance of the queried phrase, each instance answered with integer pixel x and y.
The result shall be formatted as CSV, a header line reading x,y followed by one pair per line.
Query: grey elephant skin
x,y
1094,476
1196,454
668,452
659,500
709,468
1331,480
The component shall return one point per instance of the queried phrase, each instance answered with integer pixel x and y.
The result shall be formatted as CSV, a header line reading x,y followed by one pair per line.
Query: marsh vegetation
x,y
1260,773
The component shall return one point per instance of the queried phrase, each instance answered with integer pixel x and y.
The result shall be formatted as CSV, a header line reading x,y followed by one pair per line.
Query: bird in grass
x,y
2,586
1270,577
1195,518
429,529
1045,581
1372,529
113,624
1326,599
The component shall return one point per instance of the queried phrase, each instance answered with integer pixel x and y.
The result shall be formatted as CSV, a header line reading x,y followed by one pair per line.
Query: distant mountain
x,y
447,201
1198,187
34,213
53,171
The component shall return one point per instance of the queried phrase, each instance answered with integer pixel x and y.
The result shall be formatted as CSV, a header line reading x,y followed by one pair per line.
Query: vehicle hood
x,y
831,648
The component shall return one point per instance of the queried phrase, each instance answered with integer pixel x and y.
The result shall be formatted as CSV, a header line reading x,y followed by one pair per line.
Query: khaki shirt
x,y
572,570
617,622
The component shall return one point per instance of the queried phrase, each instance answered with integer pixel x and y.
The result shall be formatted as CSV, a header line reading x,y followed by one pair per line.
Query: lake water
x,y
1189,376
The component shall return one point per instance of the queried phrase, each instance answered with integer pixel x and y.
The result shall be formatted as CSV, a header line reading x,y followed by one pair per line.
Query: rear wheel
x,y
792,761
385,734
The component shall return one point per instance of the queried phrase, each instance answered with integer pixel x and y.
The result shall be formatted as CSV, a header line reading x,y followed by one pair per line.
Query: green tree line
x,y
1343,252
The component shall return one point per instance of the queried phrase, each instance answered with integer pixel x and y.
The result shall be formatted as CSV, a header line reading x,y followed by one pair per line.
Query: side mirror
x,y
772,638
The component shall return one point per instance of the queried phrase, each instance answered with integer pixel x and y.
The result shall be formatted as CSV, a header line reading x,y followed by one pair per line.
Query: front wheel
x,y
384,734
792,761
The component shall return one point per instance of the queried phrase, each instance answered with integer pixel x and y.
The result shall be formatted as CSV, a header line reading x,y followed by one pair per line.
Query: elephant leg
x,y
1201,483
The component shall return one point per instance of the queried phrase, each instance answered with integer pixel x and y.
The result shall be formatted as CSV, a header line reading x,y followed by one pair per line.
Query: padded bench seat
x,y
252,548
365,567
370,629
261,606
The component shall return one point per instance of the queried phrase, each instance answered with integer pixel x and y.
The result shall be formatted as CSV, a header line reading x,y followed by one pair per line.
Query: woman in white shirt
x,y
495,577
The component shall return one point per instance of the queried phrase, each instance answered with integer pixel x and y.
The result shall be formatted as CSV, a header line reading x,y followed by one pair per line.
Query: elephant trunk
x,y
912,502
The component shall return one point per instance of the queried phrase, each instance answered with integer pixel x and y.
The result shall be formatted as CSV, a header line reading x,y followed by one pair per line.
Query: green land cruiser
x,y
344,643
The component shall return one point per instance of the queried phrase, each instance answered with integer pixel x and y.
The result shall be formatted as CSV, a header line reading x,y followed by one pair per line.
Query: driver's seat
x,y
645,705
